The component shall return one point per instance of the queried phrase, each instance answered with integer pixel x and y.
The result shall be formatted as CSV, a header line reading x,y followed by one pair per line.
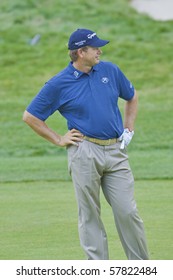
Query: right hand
x,y
72,137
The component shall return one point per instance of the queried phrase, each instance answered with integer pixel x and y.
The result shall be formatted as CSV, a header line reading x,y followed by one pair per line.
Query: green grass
x,y
39,215
39,220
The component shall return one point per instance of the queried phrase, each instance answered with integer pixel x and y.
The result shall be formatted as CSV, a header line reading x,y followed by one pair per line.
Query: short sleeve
x,y
126,89
45,103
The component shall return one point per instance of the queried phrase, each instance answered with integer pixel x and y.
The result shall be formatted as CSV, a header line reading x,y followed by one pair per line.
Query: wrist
x,y
128,129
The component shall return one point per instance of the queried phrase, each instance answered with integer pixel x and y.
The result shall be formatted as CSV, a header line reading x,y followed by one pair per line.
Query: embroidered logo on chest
x,y
105,80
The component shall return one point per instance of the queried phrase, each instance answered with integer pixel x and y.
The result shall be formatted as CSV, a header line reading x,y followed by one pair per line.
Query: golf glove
x,y
125,138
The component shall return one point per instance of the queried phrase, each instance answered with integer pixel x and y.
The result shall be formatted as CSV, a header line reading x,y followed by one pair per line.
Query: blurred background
x,y
38,210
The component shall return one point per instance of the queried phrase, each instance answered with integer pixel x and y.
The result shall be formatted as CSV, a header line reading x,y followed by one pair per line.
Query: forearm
x,y
72,137
130,112
41,128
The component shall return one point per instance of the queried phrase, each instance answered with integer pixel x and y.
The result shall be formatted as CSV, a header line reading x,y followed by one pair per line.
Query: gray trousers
x,y
93,167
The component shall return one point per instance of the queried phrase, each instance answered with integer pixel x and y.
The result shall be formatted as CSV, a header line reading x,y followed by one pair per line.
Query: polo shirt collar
x,y
96,67
77,73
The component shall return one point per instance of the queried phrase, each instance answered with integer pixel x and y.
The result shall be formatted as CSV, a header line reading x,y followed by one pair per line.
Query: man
x,y
86,93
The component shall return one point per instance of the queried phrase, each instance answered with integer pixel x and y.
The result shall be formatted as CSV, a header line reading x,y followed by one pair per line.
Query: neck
x,y
81,67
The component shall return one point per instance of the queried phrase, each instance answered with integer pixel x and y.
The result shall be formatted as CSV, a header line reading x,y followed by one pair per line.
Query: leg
x,y
118,188
85,173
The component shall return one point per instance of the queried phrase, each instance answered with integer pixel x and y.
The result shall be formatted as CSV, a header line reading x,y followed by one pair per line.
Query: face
x,y
91,56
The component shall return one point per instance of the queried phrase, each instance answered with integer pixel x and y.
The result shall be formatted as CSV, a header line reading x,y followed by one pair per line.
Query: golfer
x,y
86,93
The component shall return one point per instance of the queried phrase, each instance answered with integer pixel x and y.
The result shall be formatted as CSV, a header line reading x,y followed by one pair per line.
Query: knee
x,y
132,219
127,214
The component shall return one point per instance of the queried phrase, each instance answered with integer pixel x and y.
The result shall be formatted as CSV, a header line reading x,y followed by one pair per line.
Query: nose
x,y
99,51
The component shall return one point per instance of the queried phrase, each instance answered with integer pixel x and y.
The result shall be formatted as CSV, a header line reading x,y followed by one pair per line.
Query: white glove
x,y
126,137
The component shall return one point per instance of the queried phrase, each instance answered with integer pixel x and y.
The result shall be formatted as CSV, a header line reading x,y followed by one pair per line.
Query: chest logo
x,y
105,80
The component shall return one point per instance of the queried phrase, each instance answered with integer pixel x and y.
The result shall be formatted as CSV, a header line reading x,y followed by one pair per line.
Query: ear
x,y
80,53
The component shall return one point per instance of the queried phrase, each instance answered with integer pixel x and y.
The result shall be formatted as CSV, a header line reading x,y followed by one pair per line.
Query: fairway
x,y
38,212
39,220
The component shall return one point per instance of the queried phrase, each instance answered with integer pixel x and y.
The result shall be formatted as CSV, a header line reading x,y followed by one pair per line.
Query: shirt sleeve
x,y
126,89
45,103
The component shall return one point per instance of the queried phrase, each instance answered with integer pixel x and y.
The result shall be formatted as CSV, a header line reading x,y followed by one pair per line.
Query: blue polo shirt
x,y
89,102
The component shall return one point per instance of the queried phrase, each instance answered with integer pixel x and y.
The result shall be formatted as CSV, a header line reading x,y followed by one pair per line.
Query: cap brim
x,y
99,43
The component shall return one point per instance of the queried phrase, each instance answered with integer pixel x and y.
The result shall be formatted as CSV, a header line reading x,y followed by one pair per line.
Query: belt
x,y
100,141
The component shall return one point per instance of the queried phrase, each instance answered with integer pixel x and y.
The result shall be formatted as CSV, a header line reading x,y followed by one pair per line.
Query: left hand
x,y
126,138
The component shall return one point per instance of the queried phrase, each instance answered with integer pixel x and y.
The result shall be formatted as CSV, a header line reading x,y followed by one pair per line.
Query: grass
x,y
46,228
39,216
